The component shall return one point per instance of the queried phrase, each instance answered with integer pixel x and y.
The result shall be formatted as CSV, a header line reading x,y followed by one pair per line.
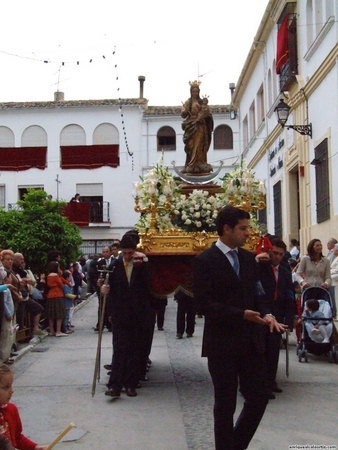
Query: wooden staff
x,y
58,438
287,353
98,350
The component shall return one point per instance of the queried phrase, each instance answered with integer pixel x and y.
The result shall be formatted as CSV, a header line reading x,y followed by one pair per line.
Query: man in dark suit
x,y
278,287
101,265
228,293
127,304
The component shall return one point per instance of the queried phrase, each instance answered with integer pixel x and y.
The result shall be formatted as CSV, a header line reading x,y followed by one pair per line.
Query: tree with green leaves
x,y
36,228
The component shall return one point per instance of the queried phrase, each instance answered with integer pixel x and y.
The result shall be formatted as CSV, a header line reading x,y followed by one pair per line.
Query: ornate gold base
x,y
179,242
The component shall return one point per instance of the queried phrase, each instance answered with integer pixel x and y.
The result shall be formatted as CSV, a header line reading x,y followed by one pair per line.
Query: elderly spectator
x,y
31,306
7,261
330,246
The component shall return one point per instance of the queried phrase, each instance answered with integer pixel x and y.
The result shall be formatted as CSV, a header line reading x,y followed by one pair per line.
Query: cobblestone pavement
x,y
173,411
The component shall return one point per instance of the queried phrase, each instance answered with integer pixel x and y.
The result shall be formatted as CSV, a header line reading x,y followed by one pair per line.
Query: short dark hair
x,y
294,242
229,215
53,254
66,274
5,444
53,267
277,242
292,263
312,304
128,242
133,234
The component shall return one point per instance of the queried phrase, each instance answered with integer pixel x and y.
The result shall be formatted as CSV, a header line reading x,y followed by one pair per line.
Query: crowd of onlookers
x,y
31,303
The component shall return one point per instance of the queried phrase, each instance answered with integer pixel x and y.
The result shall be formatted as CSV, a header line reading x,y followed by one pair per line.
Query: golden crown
x,y
195,83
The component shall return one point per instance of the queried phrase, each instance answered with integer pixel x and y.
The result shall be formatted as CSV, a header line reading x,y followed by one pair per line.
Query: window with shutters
x,y
166,139
322,181
277,202
223,138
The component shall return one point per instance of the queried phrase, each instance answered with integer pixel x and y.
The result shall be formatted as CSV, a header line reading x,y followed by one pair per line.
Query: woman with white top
x,y
314,268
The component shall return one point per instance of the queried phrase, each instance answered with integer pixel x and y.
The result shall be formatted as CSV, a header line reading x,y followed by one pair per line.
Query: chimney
x,y
232,88
141,79
59,96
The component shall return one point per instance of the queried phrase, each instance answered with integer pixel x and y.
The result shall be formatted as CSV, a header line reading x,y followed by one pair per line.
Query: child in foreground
x,y
10,422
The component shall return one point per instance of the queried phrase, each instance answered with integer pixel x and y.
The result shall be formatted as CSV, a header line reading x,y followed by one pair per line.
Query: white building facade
x,y
97,149
302,189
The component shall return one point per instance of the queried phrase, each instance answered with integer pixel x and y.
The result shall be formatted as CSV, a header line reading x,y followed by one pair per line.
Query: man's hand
x,y
105,289
273,324
263,257
253,316
99,282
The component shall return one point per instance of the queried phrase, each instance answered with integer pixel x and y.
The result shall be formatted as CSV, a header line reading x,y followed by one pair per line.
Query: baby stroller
x,y
307,345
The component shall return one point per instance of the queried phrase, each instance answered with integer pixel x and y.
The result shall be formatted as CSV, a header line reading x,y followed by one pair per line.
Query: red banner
x,y
22,158
282,44
89,156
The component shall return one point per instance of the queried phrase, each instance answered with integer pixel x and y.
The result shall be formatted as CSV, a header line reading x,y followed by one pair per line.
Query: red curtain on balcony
x,y
77,213
282,44
89,156
22,158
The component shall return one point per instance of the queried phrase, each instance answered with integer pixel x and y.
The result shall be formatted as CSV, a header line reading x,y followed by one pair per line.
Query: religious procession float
x,y
178,211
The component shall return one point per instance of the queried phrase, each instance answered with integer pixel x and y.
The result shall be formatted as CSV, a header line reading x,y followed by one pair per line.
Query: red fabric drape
x,y
22,158
89,156
77,213
282,44
171,272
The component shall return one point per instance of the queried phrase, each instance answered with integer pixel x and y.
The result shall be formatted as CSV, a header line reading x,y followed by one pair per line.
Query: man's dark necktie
x,y
236,262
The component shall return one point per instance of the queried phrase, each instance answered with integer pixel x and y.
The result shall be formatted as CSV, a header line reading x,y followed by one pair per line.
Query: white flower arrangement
x,y
198,211
160,181
239,182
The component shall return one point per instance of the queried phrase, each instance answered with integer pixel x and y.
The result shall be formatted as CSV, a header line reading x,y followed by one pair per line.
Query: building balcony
x,y
83,214
88,214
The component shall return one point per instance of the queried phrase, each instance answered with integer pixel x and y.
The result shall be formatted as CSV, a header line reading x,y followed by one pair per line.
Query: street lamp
x,y
282,111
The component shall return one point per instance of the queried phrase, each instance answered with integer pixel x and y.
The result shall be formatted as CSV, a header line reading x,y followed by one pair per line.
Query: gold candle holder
x,y
153,208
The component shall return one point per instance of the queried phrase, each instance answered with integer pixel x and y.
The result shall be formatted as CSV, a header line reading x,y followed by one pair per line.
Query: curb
x,y
38,339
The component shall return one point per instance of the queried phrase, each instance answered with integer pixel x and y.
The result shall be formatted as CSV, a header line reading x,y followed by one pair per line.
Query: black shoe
x,y
179,335
277,389
149,362
271,396
96,328
108,366
160,329
112,393
189,335
131,392
144,378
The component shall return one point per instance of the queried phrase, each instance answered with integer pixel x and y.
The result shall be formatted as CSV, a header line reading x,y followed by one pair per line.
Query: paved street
x,y
173,409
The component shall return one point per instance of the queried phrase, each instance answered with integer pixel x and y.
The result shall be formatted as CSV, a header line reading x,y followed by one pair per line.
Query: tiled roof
x,y
73,103
149,110
176,110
